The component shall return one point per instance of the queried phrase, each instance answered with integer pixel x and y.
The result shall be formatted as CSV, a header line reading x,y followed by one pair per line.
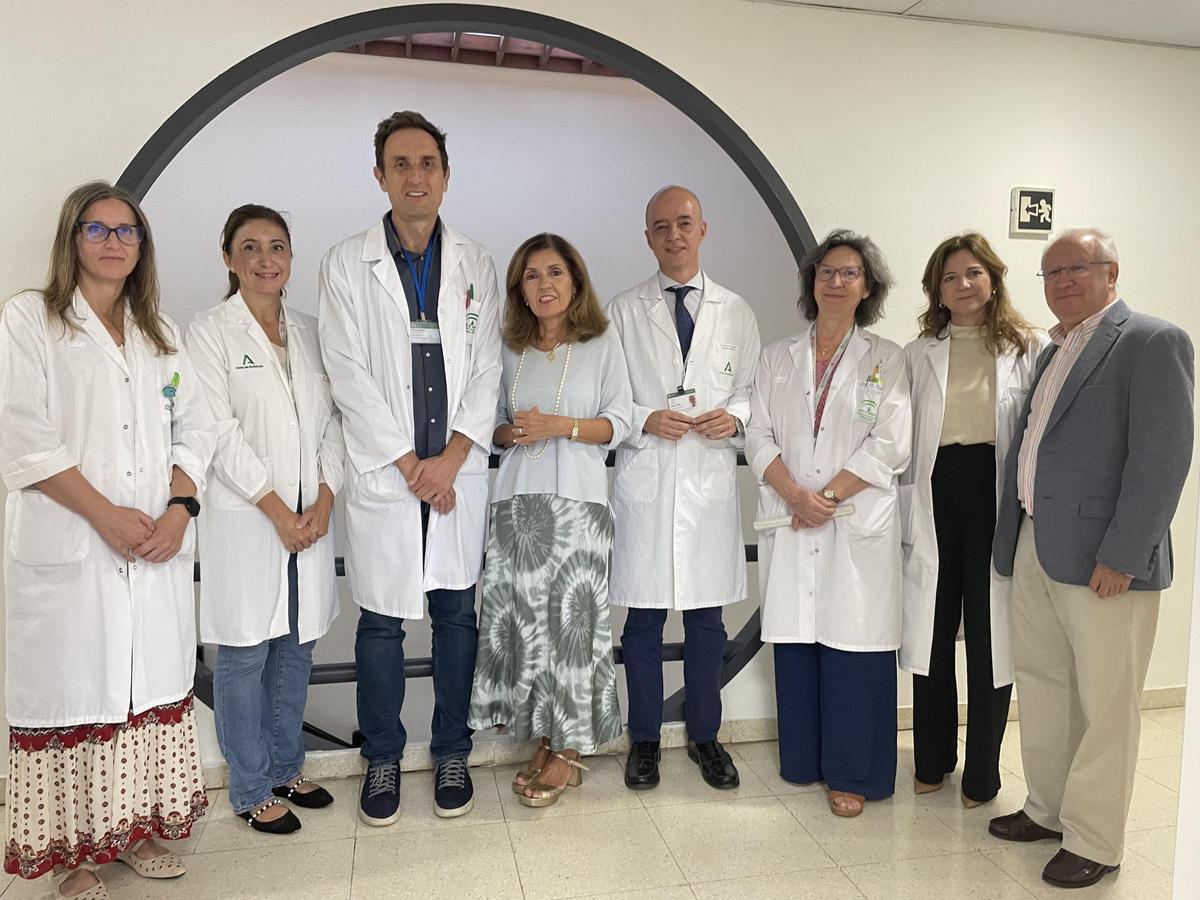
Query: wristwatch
x,y
191,504
574,429
830,494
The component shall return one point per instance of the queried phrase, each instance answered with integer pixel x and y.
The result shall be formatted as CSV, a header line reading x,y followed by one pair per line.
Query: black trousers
x,y
964,515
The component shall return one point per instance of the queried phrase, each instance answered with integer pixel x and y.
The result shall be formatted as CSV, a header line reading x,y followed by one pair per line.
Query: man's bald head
x,y
675,228
668,193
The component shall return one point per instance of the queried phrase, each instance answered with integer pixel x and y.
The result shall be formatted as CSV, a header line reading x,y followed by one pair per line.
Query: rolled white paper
x,y
844,509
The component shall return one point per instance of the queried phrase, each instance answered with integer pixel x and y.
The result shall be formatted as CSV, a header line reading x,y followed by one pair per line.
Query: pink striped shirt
x,y
1070,345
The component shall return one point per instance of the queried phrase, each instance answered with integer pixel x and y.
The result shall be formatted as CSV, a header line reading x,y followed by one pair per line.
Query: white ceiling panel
x,y
1159,21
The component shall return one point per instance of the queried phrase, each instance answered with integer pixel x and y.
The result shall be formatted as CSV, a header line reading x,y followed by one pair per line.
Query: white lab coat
x,y
838,585
364,328
927,360
675,504
273,430
90,636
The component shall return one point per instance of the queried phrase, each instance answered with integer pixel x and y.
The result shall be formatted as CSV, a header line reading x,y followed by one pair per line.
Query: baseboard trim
x,y
498,750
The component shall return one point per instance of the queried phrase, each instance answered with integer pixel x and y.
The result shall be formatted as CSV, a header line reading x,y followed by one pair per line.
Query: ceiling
x,y
478,49
1174,23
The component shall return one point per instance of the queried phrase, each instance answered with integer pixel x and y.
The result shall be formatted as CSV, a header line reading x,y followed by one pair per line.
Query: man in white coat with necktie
x,y
408,319
691,347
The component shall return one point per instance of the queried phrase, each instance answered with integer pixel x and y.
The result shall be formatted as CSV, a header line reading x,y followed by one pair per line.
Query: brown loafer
x,y
1019,827
1069,870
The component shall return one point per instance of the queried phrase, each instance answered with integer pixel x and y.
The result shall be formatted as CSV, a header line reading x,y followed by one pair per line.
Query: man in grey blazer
x,y
1090,486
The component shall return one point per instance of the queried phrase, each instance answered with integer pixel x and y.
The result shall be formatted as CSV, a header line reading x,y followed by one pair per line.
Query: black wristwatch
x,y
191,504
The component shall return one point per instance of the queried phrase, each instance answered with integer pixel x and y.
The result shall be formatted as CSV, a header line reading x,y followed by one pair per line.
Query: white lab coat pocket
x,y
874,513
635,479
46,533
717,475
725,360
904,496
382,484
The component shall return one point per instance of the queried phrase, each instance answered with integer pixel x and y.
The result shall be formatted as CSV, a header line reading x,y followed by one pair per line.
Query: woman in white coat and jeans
x,y
829,431
970,371
269,587
104,440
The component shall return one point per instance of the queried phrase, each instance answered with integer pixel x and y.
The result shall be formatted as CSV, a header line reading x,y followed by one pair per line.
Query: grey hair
x,y
1103,240
875,271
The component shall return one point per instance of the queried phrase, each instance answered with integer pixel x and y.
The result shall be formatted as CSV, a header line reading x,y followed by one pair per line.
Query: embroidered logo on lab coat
x,y
248,363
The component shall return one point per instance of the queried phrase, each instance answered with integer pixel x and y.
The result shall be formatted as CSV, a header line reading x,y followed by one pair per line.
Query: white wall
x,y
909,130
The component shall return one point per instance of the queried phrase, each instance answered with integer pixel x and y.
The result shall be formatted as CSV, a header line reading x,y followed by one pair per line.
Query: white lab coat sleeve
x,y
476,414
739,402
503,417
193,426
31,447
911,353
636,437
616,395
234,461
331,454
886,450
761,444
374,437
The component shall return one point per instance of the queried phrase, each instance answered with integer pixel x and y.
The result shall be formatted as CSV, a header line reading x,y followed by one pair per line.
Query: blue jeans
x,y
258,697
379,654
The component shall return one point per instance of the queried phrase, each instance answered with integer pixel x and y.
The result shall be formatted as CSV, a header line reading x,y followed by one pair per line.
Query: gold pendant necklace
x,y
550,352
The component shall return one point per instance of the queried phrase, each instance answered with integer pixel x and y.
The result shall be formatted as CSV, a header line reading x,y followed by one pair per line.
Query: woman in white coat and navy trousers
x,y
830,428
269,587
970,371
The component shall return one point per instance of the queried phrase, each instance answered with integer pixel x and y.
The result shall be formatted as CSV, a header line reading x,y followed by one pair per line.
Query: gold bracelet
x,y
574,429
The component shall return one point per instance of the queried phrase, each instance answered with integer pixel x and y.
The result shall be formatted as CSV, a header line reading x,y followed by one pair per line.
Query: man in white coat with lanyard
x,y
408,319
691,346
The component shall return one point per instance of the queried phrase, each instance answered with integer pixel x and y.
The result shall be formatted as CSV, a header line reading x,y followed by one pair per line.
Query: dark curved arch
x,y
220,93
228,87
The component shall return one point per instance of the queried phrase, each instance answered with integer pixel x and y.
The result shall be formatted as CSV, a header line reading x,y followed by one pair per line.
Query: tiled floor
x,y
769,839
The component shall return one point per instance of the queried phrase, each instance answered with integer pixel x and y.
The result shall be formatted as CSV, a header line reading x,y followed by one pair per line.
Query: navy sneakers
x,y
453,793
379,803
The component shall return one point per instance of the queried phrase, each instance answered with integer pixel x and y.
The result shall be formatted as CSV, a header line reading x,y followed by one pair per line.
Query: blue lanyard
x,y
421,282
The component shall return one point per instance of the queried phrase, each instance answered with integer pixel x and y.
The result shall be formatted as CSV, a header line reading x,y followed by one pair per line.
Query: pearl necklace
x,y
557,397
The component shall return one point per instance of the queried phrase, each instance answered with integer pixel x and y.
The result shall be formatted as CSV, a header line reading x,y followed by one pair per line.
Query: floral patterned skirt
x,y
544,666
85,793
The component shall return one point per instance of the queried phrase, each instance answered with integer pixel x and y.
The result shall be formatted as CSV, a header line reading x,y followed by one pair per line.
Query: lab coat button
x,y
128,474
126,427
292,483
433,421
292,425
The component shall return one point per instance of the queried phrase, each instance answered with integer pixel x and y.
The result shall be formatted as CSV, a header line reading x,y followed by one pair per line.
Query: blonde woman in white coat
x,y
269,587
104,440
830,428
970,370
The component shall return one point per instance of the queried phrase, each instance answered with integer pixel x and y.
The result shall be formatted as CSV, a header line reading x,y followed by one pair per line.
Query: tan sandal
x,y
854,804
96,892
530,772
166,865
548,794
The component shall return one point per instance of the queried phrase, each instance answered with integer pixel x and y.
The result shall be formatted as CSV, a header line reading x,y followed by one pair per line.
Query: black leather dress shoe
x,y
641,768
1069,870
1019,827
715,764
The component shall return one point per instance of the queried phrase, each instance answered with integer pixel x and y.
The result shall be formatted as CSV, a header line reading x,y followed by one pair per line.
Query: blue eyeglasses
x,y
98,232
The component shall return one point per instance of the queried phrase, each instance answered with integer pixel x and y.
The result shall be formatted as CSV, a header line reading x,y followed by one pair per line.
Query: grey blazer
x,y
1113,458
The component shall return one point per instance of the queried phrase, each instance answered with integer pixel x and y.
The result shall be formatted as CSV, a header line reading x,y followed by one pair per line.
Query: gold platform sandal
x,y
548,794
530,773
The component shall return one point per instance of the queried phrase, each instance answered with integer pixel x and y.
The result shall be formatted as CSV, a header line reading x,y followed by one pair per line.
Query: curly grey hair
x,y
875,270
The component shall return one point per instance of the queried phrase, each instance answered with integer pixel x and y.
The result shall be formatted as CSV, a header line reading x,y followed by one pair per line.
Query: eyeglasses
x,y
98,232
1077,270
848,273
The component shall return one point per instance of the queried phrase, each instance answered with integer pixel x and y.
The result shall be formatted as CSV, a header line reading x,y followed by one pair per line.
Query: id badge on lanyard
x,y
823,383
423,331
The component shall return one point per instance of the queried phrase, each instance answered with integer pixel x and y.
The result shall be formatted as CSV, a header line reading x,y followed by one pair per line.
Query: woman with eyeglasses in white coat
x,y
104,440
268,589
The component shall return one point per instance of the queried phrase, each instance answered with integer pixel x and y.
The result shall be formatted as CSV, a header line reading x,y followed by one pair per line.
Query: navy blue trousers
x,y
703,649
837,718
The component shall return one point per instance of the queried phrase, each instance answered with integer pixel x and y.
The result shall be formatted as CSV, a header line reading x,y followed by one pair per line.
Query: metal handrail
x,y
739,650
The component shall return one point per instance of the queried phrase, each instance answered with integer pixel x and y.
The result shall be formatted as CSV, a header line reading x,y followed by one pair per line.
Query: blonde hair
x,y
1004,327
141,285
585,318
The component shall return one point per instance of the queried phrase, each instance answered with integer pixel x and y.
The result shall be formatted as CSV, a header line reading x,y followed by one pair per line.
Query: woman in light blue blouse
x,y
544,666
